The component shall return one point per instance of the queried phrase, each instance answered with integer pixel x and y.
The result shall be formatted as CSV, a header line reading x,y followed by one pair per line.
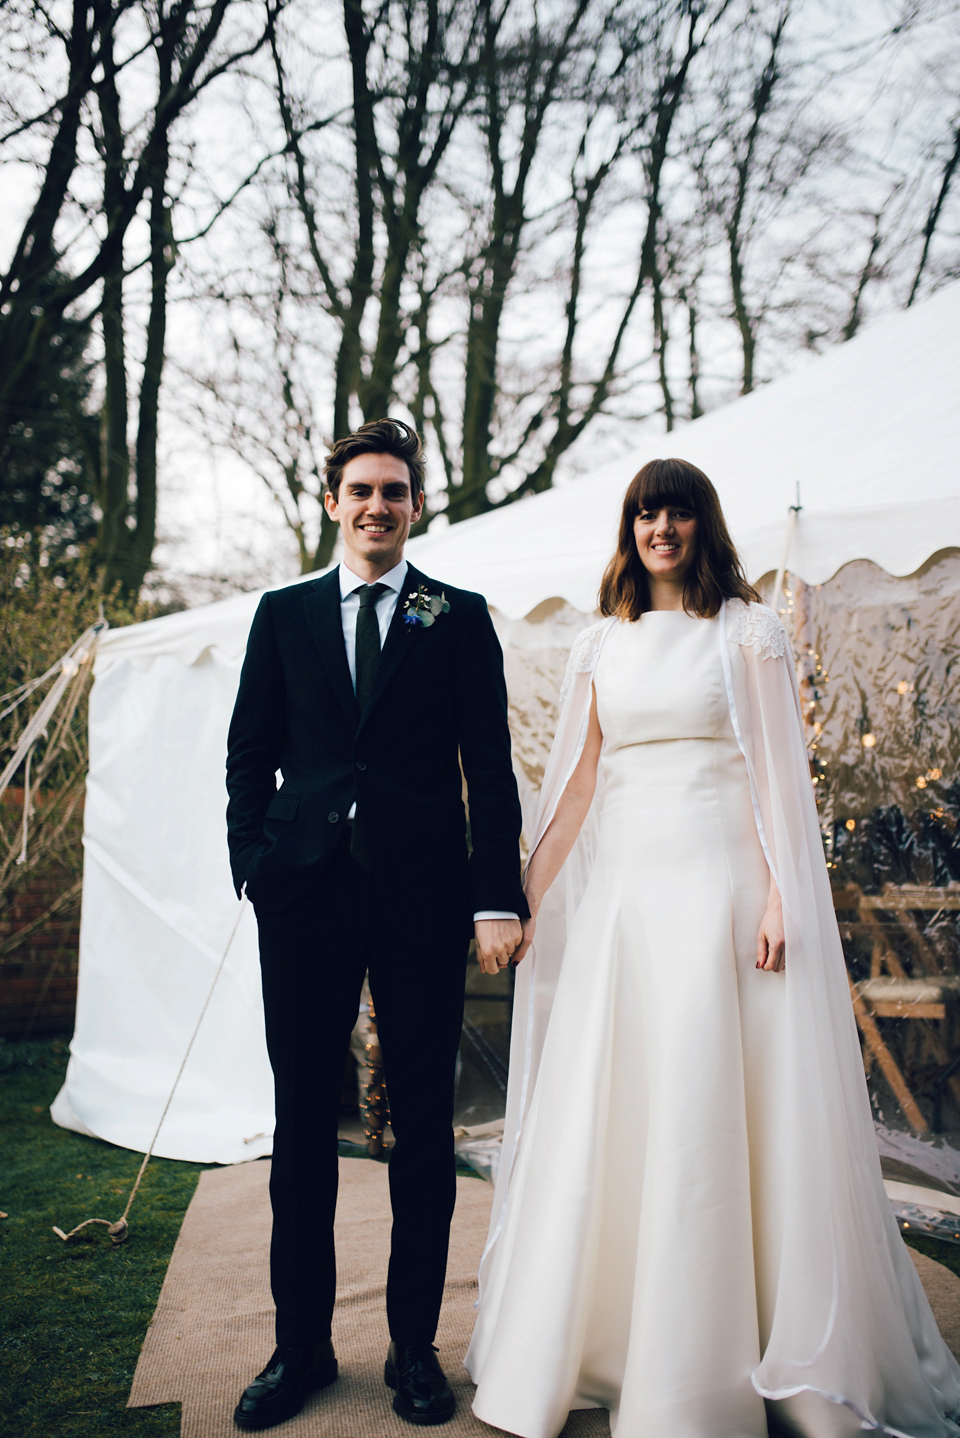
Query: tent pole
x,y
787,541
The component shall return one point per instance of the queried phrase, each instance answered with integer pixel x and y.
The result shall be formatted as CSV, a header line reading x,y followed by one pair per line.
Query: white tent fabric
x,y
870,433
158,909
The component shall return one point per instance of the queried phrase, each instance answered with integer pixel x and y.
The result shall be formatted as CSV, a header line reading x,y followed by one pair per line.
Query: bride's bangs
x,y
665,484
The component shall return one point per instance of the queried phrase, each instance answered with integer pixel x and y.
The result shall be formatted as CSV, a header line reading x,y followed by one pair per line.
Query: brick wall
x,y
38,980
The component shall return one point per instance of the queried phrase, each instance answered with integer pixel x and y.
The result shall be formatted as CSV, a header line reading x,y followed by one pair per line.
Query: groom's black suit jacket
x,y
438,699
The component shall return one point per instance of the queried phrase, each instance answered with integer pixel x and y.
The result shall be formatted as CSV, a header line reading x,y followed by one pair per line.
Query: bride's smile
x,y
666,540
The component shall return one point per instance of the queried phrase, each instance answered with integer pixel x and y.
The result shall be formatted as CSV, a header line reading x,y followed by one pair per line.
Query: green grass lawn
x,y
73,1316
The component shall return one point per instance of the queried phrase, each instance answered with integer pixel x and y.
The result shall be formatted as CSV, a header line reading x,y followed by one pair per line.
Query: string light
x,y
810,673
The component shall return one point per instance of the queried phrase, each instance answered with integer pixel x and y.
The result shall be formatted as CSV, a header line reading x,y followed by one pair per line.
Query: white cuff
x,y
495,914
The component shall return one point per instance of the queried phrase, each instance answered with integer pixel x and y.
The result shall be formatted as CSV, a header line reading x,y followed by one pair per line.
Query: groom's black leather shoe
x,y
286,1383
422,1392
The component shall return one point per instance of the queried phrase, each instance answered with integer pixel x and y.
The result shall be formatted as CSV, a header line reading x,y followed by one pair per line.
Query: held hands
x,y
771,945
496,941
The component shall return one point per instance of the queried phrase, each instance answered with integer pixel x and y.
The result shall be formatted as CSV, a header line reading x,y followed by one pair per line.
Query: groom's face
x,y
374,508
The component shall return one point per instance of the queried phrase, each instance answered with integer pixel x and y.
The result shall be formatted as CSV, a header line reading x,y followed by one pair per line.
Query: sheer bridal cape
x,y
851,1322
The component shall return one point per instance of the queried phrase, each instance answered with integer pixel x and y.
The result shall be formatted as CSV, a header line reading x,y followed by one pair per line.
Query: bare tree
x,y
640,99
935,213
869,271
890,184
262,404
413,72
526,74
759,144
744,160
70,252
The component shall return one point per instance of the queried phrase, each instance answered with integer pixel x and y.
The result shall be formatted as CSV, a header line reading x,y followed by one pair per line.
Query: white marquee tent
x,y
866,437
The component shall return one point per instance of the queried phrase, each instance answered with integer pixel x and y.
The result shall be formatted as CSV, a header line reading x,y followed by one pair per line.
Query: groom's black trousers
x,y
313,958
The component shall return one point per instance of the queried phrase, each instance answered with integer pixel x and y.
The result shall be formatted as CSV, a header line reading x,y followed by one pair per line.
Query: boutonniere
x,y
423,608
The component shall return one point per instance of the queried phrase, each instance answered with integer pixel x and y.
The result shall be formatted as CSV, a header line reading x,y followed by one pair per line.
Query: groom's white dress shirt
x,y
386,607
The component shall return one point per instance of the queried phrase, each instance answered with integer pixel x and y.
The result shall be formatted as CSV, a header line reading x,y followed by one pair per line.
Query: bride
x,y
689,1225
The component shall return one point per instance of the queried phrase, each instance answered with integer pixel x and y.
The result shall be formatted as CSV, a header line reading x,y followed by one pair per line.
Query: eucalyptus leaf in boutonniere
x,y
423,608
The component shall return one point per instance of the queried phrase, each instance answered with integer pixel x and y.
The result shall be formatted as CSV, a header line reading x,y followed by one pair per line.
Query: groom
x,y
368,689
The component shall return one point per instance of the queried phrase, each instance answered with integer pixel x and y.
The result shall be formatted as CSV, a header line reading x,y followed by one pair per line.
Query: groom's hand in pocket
x,y
496,941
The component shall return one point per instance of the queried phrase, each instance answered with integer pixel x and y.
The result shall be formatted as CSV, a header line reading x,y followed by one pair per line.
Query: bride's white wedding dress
x,y
650,1252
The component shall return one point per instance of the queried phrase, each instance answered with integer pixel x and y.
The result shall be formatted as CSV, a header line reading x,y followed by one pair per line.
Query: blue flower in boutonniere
x,y
423,608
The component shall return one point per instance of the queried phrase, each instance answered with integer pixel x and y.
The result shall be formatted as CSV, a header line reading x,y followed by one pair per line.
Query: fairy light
x,y
788,592
810,673
932,776
868,740
851,824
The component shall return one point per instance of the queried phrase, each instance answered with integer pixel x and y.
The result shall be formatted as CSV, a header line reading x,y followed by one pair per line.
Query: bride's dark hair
x,y
716,572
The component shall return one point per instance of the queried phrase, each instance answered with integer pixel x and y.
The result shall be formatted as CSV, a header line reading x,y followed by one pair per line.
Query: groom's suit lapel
x,y
400,641
322,603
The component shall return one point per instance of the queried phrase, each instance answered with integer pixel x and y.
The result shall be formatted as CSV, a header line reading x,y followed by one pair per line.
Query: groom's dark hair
x,y
378,436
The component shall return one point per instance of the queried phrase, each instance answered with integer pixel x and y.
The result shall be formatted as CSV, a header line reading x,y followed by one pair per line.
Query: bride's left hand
x,y
771,945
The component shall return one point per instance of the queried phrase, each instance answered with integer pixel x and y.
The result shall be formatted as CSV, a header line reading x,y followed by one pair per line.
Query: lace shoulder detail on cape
x,y
754,626
583,655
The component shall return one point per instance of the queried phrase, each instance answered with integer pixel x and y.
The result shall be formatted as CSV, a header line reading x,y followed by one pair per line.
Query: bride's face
x,y
666,541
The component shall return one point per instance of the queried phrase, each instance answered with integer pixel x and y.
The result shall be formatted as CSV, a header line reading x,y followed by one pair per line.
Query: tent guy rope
x,y
68,668
120,1230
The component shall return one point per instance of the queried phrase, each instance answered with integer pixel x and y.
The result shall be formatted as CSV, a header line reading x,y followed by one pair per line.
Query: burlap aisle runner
x,y
213,1328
